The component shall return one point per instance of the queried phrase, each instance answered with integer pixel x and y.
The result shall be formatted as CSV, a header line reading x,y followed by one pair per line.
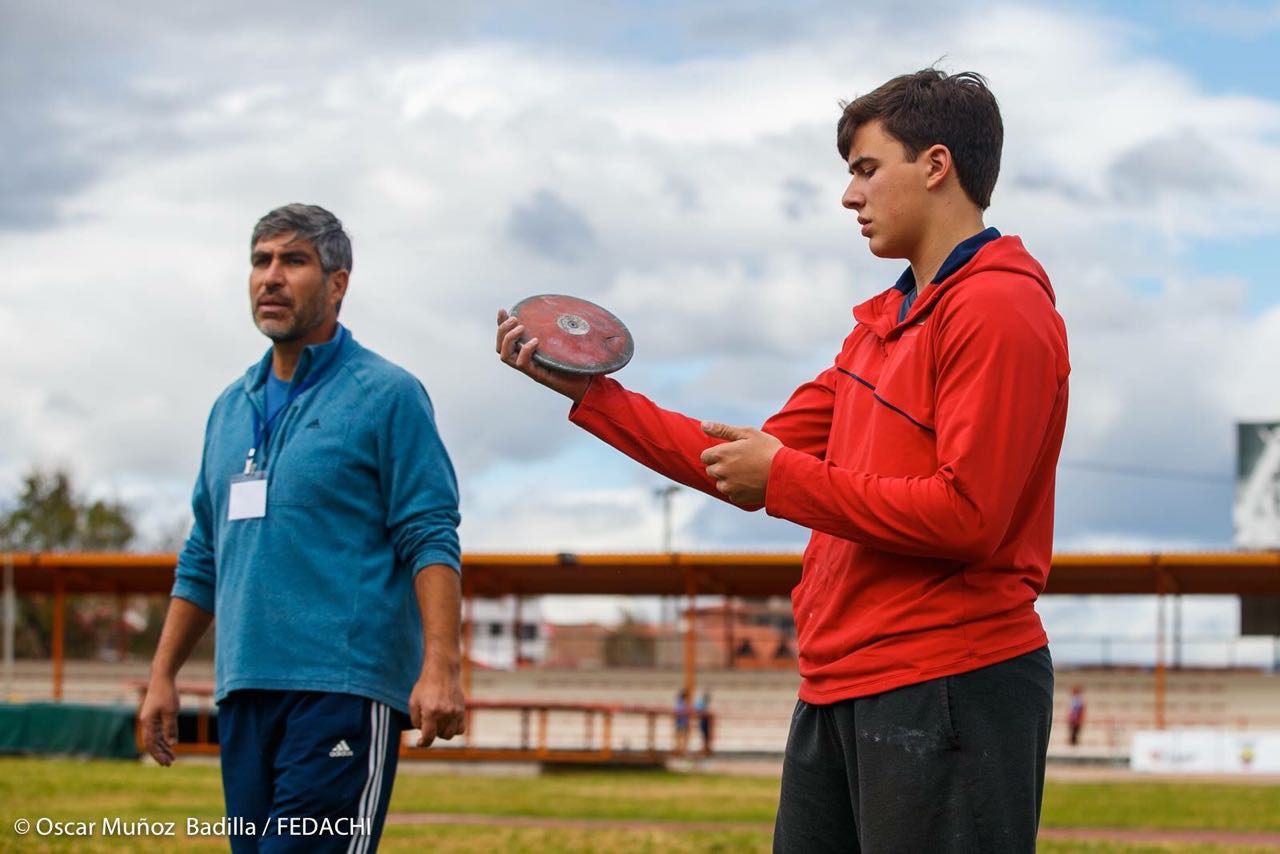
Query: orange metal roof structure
x,y
92,573
1238,573
737,575
746,575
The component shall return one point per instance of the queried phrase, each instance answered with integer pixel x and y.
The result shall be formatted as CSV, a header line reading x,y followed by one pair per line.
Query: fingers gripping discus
x,y
574,335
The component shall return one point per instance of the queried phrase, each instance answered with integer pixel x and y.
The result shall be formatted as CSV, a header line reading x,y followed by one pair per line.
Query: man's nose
x,y
273,275
852,198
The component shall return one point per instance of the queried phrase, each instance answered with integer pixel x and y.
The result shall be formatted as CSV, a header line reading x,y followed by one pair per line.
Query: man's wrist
x,y
438,664
163,669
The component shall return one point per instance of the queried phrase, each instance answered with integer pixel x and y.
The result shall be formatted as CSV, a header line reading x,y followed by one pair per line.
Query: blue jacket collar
x,y
326,355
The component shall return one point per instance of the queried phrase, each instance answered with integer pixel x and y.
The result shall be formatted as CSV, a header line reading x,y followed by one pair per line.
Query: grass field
x,y
732,814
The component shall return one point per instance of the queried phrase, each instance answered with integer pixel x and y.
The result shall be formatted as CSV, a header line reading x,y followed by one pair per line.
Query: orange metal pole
x,y
1160,666
10,610
59,630
518,651
728,632
466,657
690,636
1177,630
122,636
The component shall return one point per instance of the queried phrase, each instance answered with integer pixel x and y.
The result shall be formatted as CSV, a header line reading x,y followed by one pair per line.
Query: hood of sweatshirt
x,y
1003,255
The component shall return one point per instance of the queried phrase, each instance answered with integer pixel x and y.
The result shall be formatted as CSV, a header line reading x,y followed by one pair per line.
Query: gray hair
x,y
312,223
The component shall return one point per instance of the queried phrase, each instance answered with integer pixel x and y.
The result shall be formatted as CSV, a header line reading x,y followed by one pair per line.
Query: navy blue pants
x,y
310,771
953,765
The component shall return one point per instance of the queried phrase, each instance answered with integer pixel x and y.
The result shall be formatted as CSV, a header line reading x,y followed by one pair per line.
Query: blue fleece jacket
x,y
319,594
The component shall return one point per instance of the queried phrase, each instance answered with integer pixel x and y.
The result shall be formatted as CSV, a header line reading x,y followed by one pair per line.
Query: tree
x,y
50,517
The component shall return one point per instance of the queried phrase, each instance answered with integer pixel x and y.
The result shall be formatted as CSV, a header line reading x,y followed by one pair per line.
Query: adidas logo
x,y
341,749
314,424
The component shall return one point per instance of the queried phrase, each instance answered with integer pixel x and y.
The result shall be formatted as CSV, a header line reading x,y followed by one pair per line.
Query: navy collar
x,y
961,255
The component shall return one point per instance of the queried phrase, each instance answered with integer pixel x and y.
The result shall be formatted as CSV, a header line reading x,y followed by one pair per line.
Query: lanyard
x,y
261,430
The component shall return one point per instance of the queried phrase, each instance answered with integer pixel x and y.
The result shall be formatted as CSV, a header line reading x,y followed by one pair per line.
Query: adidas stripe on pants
x,y
309,771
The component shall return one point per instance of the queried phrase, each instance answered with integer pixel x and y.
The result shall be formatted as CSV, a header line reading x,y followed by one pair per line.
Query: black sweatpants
x,y
955,764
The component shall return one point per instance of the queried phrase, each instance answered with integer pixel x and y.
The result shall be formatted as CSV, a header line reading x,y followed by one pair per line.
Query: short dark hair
x,y
931,107
311,223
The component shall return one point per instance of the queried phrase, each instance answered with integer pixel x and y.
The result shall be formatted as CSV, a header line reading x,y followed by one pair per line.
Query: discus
x,y
574,335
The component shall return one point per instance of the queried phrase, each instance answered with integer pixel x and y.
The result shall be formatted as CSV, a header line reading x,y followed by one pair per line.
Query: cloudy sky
x,y
672,161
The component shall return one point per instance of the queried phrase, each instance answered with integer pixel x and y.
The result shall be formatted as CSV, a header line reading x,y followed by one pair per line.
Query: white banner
x,y
1205,751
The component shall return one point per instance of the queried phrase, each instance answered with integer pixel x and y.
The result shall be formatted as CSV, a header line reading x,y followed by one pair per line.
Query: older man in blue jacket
x,y
325,542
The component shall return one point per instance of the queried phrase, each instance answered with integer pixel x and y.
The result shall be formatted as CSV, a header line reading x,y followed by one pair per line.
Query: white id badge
x,y
248,496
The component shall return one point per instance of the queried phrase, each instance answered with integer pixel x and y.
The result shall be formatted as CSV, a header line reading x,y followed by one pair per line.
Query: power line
x,y
1145,471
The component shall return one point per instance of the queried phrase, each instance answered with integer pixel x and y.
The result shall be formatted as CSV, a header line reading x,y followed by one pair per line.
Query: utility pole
x,y
668,605
664,494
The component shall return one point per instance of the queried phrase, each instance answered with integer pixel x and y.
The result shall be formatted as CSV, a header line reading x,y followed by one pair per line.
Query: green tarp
x,y
65,728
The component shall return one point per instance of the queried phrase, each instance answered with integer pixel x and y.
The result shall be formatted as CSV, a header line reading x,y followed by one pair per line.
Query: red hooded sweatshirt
x,y
923,460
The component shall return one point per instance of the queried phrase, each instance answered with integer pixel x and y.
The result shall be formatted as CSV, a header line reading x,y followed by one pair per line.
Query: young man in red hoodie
x,y
923,461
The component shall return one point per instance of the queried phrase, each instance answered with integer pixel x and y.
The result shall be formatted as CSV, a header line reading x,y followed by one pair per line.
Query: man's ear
x,y
938,164
338,280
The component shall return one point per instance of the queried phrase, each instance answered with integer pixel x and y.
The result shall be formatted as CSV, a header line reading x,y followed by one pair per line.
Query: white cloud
x,y
124,320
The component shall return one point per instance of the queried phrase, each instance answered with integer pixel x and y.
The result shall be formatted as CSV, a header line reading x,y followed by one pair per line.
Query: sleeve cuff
x,y
782,472
200,595
431,558
579,411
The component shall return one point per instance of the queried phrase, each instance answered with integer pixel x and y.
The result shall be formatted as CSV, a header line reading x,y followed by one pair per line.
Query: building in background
x,y
1257,517
728,635
505,634
1257,508
737,634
